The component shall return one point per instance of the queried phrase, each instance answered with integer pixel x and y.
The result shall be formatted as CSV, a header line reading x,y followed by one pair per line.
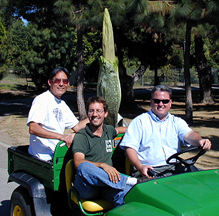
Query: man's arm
x,y
120,130
113,174
37,130
133,158
195,139
80,125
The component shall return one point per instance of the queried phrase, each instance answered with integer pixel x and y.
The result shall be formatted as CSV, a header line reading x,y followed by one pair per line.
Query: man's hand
x,y
113,174
68,139
133,158
144,170
205,143
195,139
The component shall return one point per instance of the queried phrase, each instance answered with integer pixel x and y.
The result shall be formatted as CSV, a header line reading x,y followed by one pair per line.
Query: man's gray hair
x,y
161,88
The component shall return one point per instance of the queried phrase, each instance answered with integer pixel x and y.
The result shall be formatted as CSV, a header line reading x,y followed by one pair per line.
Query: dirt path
x,y
13,117
206,123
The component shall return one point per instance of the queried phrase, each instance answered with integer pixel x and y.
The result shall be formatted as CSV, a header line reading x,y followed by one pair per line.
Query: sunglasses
x,y
58,80
157,101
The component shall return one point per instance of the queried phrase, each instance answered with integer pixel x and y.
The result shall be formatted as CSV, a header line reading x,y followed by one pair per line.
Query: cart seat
x,y
88,207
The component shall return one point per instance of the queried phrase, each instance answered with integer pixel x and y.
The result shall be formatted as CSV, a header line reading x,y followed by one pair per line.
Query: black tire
x,y
21,203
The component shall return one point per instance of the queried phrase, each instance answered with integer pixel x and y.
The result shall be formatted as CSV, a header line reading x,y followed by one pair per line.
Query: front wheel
x,y
21,203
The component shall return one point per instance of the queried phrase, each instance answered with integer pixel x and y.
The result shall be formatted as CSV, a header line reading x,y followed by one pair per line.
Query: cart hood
x,y
195,193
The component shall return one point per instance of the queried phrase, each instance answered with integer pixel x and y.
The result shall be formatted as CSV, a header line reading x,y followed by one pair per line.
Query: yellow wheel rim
x,y
17,211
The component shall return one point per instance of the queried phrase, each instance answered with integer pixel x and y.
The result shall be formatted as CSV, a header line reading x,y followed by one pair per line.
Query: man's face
x,y
161,108
96,114
59,84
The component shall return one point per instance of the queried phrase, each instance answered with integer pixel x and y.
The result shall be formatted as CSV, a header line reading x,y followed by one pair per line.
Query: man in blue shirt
x,y
154,136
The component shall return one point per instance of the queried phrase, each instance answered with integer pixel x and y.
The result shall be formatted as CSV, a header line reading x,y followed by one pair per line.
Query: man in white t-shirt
x,y
49,116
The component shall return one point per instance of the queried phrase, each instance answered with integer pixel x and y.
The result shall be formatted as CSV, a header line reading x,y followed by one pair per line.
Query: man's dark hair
x,y
58,69
96,99
161,88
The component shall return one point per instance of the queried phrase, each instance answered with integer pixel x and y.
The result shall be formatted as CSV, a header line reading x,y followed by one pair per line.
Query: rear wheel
x,y
21,203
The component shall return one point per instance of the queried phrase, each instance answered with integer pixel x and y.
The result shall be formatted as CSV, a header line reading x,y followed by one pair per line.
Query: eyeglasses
x,y
157,101
58,80
97,111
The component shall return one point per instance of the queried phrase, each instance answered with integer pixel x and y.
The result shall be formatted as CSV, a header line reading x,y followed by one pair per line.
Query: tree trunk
x,y
204,72
80,70
188,90
127,84
156,77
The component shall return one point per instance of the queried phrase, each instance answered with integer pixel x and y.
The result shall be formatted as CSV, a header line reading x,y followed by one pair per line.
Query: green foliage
x,y
2,31
92,52
17,44
176,57
211,43
3,53
3,71
36,53
168,74
33,50
51,48
3,38
189,10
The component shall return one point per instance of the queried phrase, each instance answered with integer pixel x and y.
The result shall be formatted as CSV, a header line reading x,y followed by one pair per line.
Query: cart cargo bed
x,y
48,173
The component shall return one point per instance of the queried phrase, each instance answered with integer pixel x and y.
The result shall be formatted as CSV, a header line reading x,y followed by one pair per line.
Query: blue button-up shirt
x,y
155,140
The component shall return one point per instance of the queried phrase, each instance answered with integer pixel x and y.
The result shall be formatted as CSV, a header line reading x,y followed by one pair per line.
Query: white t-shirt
x,y
54,115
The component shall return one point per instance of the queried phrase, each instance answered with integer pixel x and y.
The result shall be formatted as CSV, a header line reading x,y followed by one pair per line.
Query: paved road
x,y
6,188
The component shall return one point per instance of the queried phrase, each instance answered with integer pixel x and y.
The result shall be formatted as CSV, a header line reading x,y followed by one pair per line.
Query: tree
x,y
136,24
139,37
49,43
204,71
86,14
35,53
18,45
47,14
189,12
3,40
187,65
198,13
212,12
39,12
3,52
77,12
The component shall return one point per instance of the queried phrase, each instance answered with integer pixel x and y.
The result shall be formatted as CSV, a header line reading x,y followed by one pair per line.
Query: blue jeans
x,y
93,182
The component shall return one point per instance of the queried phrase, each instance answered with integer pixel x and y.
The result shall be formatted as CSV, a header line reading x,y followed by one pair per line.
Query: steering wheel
x,y
187,162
